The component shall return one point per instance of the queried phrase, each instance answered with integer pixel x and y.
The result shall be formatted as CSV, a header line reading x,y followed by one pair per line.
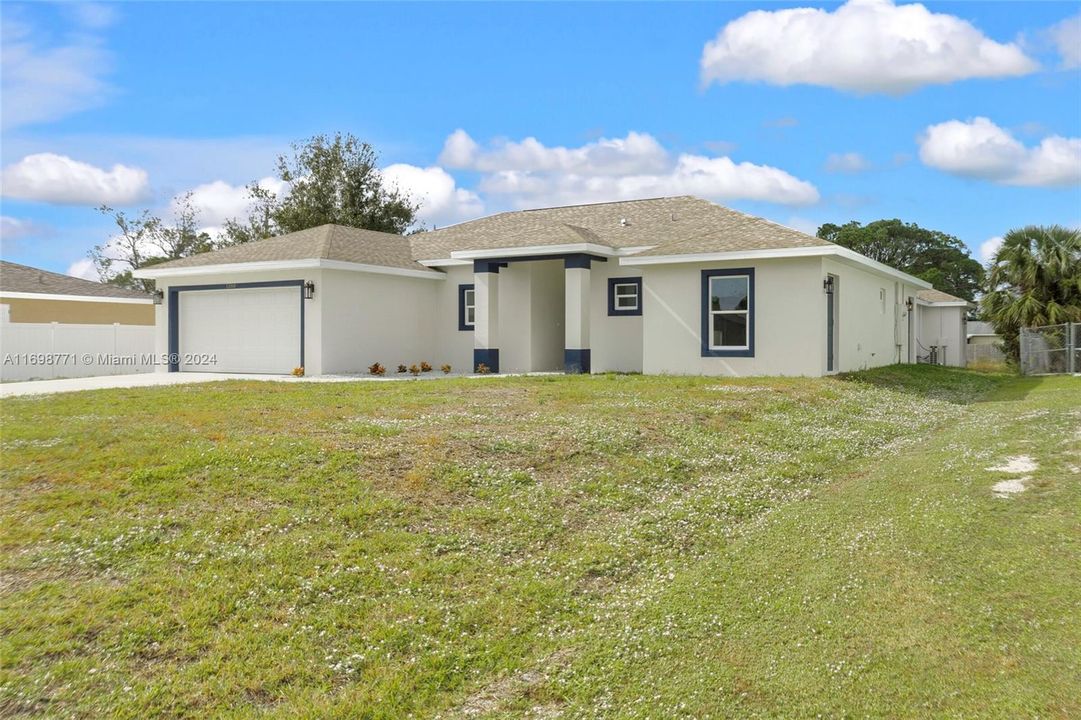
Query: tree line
x,y
1034,278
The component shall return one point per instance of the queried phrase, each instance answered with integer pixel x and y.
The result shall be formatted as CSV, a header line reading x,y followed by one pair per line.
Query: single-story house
x,y
667,285
54,325
30,295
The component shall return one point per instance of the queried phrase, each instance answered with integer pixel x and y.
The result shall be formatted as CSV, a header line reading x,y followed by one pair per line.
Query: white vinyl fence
x,y
42,351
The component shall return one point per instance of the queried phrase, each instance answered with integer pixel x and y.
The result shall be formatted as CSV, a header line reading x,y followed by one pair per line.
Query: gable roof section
x,y
23,279
655,231
671,225
937,297
326,242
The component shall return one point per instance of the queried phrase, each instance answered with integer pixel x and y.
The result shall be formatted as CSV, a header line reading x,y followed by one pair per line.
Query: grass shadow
x,y
953,385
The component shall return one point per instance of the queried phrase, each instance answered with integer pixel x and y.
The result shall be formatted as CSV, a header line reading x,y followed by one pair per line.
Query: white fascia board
x,y
854,257
73,298
508,252
951,303
444,262
271,265
381,270
841,253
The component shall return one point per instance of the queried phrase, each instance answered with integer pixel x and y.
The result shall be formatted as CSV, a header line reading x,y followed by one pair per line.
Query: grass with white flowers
x,y
610,546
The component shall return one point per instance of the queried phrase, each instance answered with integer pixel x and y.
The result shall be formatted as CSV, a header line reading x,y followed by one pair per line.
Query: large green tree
x,y
146,239
331,180
1033,279
931,255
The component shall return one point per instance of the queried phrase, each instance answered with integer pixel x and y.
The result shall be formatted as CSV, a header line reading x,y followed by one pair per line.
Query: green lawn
x,y
611,546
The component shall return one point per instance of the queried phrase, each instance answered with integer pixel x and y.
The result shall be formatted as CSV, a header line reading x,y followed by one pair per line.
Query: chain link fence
x,y
1051,349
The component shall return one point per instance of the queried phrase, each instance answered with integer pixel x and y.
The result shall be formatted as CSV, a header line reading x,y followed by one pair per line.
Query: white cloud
x,y
57,179
441,201
988,248
636,153
219,201
42,84
863,46
529,174
849,162
92,15
13,229
1066,36
981,149
84,269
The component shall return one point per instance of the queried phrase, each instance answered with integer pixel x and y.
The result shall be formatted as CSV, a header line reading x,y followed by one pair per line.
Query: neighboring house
x,y
982,333
668,285
941,320
39,296
54,325
984,344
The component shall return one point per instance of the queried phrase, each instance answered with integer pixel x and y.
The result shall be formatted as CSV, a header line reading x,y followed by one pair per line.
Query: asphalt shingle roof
x,y
669,226
938,296
673,225
26,279
326,242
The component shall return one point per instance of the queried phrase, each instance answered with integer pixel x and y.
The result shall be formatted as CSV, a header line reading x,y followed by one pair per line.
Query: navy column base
x,y
575,362
488,356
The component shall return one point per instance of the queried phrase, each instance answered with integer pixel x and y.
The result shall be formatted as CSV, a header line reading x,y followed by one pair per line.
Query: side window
x,y
467,307
728,313
625,296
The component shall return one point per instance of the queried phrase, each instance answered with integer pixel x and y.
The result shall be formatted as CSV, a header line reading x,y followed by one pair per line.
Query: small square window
x,y
624,296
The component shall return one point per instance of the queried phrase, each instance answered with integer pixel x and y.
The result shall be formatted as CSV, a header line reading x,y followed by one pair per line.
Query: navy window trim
x,y
462,290
707,351
615,311
174,311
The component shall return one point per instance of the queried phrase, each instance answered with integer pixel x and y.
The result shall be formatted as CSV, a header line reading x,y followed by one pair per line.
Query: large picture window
x,y
625,296
728,313
467,307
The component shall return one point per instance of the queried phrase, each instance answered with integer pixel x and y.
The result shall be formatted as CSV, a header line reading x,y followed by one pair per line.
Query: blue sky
x,y
963,117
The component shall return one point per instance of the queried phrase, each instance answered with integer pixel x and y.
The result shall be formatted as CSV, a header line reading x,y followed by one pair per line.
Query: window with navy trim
x,y
625,296
467,307
728,313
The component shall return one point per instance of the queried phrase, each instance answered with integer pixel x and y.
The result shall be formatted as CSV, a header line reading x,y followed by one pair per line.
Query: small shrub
x,y
483,369
377,369
402,368
298,371
445,368
425,367
414,369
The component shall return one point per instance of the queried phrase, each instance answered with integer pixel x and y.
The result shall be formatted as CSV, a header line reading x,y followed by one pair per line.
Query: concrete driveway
x,y
104,382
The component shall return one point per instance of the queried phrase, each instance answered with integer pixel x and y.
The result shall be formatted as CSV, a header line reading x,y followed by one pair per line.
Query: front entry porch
x,y
545,301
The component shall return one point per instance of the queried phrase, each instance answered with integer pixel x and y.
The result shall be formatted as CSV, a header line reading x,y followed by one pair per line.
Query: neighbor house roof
x,y
669,225
23,279
326,242
937,297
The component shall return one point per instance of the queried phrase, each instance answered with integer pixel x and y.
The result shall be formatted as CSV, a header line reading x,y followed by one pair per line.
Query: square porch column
x,y
486,318
576,305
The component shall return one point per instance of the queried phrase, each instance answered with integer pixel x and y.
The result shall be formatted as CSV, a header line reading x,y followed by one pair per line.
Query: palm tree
x,y
1033,279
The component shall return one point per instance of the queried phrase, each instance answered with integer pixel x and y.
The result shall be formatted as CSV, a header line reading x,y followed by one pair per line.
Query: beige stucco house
x,y
667,285
30,295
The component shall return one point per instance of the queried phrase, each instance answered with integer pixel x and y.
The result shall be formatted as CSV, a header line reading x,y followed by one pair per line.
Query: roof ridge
x,y
608,202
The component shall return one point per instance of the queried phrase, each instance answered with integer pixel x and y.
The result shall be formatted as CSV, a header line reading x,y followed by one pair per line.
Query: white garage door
x,y
243,330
